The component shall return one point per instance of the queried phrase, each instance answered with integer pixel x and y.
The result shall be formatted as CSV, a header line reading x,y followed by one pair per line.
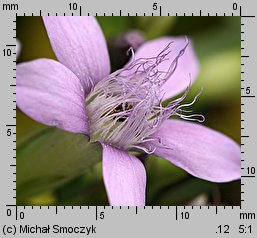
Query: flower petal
x,y
200,151
124,177
50,93
187,68
79,44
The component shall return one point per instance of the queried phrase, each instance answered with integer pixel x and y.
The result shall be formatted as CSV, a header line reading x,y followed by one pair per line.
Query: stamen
x,y
192,117
125,109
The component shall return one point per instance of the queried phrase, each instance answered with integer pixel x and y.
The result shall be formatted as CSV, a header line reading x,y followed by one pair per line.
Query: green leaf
x,y
160,174
154,27
87,189
219,72
52,157
43,199
183,192
113,26
26,128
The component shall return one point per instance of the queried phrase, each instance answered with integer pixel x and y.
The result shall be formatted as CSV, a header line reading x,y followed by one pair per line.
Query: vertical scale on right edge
x,y
248,170
242,102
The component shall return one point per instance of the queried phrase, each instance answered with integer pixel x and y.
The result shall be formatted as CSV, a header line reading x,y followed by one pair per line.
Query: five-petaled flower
x,y
123,111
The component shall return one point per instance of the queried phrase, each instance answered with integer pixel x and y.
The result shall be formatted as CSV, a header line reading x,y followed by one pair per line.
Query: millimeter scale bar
x,y
150,221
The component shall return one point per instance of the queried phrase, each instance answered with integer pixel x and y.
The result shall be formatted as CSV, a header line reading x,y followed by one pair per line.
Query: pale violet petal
x,y
199,150
124,177
50,93
79,44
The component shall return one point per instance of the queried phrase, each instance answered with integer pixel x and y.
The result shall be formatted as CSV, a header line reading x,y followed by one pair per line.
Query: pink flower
x,y
123,110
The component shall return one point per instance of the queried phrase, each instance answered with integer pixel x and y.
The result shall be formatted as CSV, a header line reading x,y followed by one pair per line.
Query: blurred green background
x,y
60,168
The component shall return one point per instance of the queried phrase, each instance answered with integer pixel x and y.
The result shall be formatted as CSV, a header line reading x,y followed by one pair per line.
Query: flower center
x,y
125,108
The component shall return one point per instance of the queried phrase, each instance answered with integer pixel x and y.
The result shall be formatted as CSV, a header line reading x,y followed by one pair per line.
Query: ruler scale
x,y
151,221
